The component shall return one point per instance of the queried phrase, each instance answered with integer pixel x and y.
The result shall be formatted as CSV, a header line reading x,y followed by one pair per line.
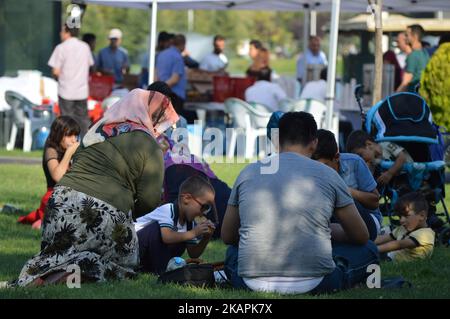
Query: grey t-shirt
x,y
285,216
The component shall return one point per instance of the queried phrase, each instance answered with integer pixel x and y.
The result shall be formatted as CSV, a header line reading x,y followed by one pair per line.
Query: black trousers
x,y
76,109
154,255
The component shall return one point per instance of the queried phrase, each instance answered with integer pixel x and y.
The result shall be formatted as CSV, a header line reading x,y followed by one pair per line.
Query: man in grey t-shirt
x,y
278,225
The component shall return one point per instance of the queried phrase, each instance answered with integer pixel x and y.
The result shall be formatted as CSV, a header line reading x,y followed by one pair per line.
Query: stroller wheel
x,y
444,237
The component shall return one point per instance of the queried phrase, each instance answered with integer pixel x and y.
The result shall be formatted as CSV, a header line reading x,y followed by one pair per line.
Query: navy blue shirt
x,y
169,62
113,62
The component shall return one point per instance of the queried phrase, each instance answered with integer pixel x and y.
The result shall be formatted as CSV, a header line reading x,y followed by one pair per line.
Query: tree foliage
x,y
435,85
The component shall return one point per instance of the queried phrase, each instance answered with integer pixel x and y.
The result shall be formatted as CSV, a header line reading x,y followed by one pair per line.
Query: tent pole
x,y
331,73
152,53
190,20
378,79
313,29
305,42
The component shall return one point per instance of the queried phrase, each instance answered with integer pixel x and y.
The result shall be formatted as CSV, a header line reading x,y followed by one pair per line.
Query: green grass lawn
x,y
282,66
20,153
24,185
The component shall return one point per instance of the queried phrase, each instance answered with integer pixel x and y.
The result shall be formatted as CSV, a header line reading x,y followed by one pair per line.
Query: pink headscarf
x,y
136,111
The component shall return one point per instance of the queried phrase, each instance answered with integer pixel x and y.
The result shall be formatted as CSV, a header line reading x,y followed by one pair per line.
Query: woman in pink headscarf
x,y
116,175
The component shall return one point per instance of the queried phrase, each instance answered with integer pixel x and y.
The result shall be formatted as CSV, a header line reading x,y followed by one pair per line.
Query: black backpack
x,y
198,275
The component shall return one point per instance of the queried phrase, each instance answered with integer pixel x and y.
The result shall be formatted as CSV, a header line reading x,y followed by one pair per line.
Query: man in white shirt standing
x,y
70,63
216,61
313,55
265,92
405,49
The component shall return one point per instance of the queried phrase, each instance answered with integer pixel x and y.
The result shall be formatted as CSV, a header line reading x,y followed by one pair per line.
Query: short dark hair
x,y
263,75
73,31
324,74
327,147
357,139
179,39
256,43
417,30
88,37
165,36
196,186
414,201
218,38
297,128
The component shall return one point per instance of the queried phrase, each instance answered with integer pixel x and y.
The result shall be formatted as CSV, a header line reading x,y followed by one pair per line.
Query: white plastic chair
x,y
28,116
318,110
253,118
314,107
290,85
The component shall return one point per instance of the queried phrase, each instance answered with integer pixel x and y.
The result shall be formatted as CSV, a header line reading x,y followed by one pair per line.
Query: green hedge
x,y
435,85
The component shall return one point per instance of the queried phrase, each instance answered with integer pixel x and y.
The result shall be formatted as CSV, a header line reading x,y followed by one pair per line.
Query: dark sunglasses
x,y
204,208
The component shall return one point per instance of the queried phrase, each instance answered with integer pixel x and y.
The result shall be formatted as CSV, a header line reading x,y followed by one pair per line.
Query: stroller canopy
x,y
401,117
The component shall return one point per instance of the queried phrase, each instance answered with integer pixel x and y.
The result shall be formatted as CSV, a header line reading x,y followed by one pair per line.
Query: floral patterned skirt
x,y
81,230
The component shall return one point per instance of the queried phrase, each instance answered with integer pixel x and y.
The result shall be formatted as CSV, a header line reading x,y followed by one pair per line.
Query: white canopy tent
x,y
281,5
333,6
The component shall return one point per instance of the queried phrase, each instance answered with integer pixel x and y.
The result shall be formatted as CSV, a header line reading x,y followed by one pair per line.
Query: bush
x,y
435,85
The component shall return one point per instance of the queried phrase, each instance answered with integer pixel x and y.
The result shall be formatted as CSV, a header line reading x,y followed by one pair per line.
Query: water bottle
x,y
175,263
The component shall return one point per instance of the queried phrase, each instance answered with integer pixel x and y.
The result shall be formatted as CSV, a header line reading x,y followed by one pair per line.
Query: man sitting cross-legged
x,y
277,225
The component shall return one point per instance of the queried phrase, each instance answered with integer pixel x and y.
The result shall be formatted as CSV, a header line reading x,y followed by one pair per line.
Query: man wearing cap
x,y
113,60
70,63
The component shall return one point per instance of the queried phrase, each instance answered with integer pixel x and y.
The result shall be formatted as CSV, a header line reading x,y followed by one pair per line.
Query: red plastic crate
x,y
100,86
221,88
239,86
225,87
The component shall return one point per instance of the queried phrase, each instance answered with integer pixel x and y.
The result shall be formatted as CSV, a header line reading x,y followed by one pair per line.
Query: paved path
x,y
20,160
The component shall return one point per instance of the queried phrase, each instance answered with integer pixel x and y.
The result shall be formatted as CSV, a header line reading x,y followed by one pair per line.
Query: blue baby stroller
x,y
405,119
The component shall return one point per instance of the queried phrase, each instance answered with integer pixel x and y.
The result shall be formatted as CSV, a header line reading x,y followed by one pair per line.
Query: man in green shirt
x,y
416,61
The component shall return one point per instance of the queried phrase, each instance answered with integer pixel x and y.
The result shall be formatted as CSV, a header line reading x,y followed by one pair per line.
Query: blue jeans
x,y
351,267
231,268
